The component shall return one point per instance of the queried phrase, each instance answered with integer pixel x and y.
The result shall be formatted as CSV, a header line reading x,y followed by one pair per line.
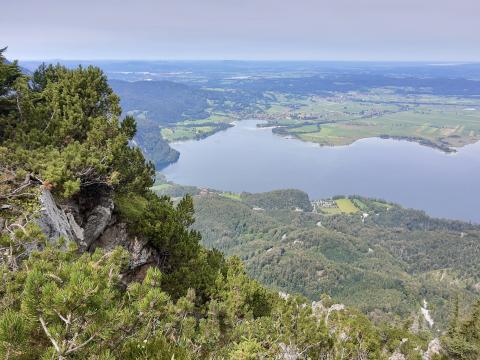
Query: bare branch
x,y
69,351
50,337
65,320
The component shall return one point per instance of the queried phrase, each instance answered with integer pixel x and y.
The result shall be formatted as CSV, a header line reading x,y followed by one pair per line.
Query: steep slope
x,y
385,260
154,147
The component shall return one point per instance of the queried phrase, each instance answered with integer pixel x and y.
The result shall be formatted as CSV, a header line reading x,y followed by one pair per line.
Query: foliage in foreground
x,y
64,304
62,127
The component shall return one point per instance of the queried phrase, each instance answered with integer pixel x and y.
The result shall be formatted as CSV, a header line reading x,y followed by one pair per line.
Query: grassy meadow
x,y
442,122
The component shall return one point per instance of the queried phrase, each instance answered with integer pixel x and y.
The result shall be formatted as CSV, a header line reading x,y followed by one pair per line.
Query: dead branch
x,y
50,337
78,347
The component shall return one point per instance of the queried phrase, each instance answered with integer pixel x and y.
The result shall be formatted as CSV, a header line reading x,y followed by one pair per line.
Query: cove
x,y
247,158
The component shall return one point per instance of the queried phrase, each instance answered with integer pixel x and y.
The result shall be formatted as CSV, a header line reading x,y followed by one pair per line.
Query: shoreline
x,y
446,149
277,130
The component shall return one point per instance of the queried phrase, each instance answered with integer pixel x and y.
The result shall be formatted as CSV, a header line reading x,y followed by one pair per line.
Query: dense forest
x,y
94,265
166,101
402,256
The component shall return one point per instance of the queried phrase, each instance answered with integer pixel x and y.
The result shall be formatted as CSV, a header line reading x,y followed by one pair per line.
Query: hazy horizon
x,y
431,62
256,30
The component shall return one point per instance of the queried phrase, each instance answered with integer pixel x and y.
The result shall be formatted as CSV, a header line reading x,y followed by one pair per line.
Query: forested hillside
x,y
170,111
157,103
150,140
94,265
384,260
165,101
280,199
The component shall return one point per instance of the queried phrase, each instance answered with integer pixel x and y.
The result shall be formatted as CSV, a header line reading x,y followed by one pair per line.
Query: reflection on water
x,y
247,158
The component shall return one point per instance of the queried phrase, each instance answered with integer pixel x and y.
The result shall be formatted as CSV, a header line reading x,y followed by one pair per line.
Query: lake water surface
x,y
247,158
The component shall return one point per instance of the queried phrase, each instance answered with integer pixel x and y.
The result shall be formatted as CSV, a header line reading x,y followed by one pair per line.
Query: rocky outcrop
x,y
397,356
97,220
90,222
55,223
141,253
288,352
434,348
75,222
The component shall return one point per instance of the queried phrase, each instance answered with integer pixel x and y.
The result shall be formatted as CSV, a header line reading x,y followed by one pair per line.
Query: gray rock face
x,y
397,356
98,228
76,229
116,235
97,221
141,253
434,347
113,236
54,221
288,352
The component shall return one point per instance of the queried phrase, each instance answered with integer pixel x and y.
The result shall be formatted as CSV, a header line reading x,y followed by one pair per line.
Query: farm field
x,y
232,196
161,187
440,122
342,206
346,206
194,129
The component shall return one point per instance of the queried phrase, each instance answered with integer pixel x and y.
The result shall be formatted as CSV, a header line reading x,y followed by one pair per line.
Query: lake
x,y
247,158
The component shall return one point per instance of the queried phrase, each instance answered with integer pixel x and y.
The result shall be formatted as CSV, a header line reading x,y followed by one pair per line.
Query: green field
x,y
230,195
161,187
213,118
441,122
331,211
194,129
346,206
180,133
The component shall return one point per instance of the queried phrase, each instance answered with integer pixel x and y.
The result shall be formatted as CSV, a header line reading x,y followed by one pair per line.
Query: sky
x,y
430,30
